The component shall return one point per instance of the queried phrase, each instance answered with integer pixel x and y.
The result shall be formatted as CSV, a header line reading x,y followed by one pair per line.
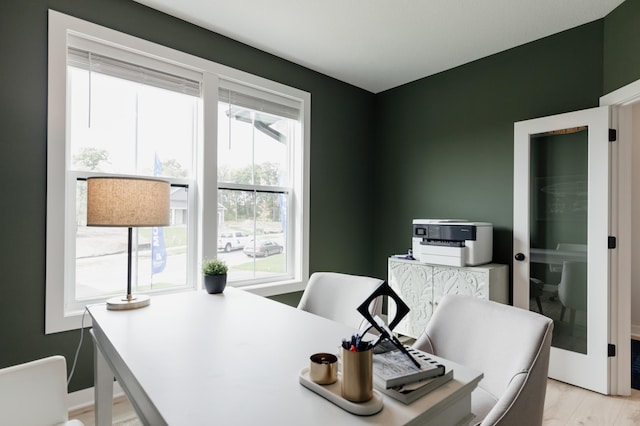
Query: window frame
x,y
59,244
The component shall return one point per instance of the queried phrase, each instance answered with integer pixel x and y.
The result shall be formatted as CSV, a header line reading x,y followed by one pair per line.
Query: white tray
x,y
332,393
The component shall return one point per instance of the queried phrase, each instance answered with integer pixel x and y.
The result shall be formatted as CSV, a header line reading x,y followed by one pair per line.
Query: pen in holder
x,y
357,374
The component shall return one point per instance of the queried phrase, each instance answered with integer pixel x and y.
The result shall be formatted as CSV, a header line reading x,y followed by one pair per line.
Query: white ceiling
x,y
381,44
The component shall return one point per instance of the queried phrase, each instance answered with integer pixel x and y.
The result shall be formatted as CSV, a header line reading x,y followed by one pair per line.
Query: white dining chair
x,y
572,289
35,394
337,296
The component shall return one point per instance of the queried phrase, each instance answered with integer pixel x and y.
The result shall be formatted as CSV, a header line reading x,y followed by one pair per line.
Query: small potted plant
x,y
215,275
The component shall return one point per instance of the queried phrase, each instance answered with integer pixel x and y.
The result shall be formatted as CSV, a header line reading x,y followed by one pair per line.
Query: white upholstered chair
x,y
337,296
35,393
509,345
572,289
568,247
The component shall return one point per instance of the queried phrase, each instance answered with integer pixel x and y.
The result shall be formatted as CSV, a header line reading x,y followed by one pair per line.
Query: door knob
x,y
519,257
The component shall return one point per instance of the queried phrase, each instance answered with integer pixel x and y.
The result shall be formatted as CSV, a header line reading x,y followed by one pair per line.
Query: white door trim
x,y
621,101
625,95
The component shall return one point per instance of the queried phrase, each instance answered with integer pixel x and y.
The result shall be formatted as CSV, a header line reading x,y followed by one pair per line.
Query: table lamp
x,y
127,202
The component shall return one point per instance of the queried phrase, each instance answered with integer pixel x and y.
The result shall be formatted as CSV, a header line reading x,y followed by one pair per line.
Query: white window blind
x,y
94,62
246,97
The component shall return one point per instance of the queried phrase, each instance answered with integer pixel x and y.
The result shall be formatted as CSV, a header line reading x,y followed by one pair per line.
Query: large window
x,y
129,120
257,132
232,145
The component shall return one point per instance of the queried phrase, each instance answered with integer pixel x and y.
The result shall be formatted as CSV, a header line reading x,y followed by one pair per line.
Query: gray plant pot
x,y
215,283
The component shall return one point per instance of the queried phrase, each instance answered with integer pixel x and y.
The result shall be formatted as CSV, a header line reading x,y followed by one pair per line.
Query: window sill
x,y
274,289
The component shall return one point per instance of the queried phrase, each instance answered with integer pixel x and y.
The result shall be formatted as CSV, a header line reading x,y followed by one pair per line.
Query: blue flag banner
x,y
158,249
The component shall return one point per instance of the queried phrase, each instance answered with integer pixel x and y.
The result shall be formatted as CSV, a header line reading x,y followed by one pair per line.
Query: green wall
x,y
622,46
446,141
437,147
340,156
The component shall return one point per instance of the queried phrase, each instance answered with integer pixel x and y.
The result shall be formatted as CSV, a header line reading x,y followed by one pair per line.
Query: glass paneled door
x,y
560,238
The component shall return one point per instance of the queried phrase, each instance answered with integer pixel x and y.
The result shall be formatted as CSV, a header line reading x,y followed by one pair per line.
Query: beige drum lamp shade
x,y
127,202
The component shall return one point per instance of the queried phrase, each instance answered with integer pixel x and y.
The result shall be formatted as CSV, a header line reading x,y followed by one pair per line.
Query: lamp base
x,y
128,302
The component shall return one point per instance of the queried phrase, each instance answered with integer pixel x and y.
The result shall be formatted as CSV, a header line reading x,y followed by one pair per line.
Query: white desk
x,y
234,359
556,257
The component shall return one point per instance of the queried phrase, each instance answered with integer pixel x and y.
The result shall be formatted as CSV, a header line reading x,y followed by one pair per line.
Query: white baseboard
x,y
84,398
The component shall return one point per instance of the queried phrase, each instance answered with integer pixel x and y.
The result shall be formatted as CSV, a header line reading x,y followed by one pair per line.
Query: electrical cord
x,y
75,358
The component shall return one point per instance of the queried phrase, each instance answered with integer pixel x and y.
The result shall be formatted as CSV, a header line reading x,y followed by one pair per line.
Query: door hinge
x,y
611,350
613,135
612,242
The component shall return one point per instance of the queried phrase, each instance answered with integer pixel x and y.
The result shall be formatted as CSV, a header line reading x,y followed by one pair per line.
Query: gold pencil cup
x,y
357,375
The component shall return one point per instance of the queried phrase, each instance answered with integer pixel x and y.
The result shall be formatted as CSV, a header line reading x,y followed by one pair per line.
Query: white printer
x,y
452,242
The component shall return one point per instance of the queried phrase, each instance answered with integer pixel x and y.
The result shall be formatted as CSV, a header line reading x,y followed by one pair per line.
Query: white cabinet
x,y
422,285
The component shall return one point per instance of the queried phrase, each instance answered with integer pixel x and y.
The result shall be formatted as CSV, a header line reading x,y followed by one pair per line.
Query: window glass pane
x,y
256,138
253,146
119,126
558,229
252,237
159,254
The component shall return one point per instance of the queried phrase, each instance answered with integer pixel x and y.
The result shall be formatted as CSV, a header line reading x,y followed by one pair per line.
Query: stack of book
x,y
396,375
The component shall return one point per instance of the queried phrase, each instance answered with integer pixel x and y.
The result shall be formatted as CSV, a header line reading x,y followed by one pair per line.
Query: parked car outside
x,y
233,240
262,248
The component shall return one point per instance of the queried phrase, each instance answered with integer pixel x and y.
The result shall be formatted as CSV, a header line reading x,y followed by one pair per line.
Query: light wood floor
x,y
570,405
564,405
123,414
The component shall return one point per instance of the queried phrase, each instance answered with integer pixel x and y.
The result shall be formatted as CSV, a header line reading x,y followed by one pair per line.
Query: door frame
x,y
621,102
